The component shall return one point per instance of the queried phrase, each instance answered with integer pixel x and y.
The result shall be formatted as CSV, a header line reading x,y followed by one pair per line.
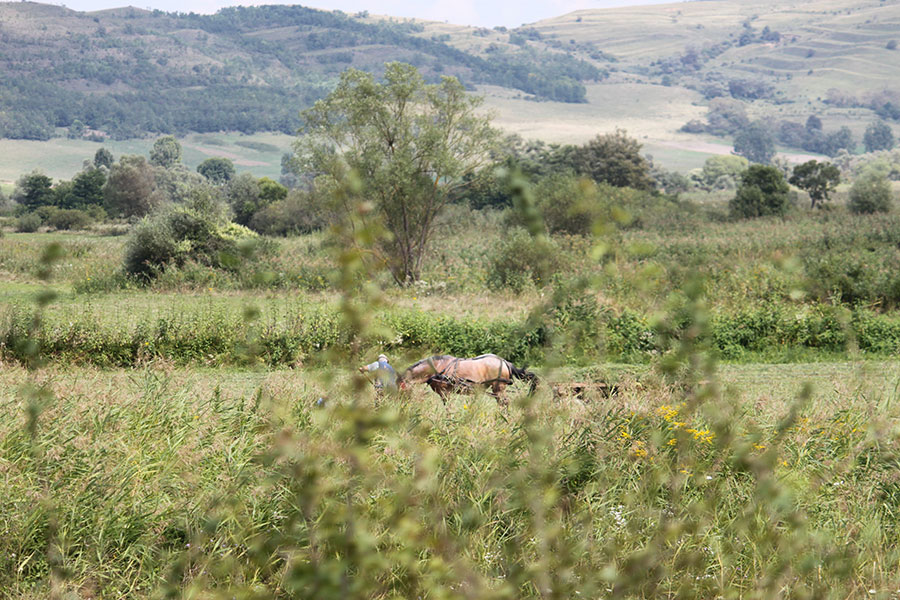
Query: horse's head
x,y
422,370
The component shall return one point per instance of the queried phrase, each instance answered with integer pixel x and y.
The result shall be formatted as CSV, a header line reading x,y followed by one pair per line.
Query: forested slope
x,y
127,72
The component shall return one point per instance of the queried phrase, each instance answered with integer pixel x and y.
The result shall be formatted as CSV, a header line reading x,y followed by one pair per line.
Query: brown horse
x,y
447,374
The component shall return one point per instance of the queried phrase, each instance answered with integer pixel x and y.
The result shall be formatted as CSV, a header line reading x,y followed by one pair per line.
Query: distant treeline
x,y
124,76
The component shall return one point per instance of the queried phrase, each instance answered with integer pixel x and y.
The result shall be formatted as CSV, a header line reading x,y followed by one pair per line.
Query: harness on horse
x,y
461,383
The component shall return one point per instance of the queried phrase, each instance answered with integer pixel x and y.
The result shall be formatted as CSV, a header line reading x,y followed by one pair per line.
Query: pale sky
x,y
484,13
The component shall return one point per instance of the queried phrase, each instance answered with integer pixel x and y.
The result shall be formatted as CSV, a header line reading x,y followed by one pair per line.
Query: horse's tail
x,y
521,373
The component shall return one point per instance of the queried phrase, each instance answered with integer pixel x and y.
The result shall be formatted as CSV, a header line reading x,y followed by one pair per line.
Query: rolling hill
x,y
781,61
128,72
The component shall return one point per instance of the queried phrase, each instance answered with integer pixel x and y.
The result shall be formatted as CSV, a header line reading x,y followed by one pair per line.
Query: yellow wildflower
x,y
704,435
668,412
638,450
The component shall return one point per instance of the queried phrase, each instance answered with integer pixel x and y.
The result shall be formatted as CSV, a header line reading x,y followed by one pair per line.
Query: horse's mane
x,y
430,359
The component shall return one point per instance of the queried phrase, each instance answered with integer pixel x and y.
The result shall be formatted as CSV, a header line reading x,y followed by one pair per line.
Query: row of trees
x,y
756,140
757,143
764,190
133,186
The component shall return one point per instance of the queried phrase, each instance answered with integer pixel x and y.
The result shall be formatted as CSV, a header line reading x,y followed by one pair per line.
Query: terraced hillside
x,y
781,60
810,46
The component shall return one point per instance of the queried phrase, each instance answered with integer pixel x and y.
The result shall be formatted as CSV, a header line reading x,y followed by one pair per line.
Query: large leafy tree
x,y
816,179
412,146
33,190
130,190
878,136
103,158
242,193
217,170
763,192
720,172
755,143
86,190
835,141
614,158
247,196
166,152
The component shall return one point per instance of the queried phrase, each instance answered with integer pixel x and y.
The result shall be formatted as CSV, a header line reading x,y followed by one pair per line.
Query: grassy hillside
x,y
843,43
666,62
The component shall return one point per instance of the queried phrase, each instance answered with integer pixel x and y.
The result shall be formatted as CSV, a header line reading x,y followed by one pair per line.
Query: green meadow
x,y
60,158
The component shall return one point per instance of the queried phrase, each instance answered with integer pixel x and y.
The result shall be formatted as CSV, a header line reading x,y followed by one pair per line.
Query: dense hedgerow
x,y
69,219
218,336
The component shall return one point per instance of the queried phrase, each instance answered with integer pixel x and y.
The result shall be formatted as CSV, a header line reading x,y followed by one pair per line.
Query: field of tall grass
x,y
206,435
169,482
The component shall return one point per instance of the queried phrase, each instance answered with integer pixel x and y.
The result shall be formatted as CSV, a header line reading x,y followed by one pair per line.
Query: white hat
x,y
382,357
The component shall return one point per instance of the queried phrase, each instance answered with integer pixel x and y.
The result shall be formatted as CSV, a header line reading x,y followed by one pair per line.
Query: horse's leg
x,y
497,392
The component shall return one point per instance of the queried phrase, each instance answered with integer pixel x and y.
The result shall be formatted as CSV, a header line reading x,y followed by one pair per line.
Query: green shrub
x,y
869,194
855,274
763,192
28,223
151,247
172,237
298,213
96,212
576,205
520,261
69,218
46,212
629,334
574,322
570,204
